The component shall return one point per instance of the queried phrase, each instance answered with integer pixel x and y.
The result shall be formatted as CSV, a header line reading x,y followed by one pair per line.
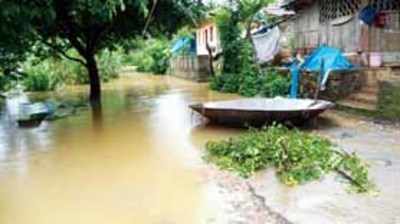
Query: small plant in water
x,y
297,157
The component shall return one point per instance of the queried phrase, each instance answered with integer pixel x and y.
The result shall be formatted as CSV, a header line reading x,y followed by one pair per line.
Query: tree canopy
x,y
87,26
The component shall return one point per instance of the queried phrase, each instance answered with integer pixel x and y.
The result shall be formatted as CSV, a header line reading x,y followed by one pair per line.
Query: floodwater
x,y
138,160
135,161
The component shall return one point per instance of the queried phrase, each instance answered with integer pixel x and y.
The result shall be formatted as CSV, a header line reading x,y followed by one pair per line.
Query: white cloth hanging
x,y
267,44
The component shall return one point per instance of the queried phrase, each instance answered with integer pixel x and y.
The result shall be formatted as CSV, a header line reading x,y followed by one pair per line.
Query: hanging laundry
x,y
267,44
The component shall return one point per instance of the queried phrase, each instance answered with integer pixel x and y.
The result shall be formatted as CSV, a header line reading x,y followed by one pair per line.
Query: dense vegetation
x,y
298,157
240,71
268,83
48,74
151,55
87,27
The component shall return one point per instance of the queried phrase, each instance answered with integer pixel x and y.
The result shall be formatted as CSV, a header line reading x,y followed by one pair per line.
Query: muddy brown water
x,y
136,161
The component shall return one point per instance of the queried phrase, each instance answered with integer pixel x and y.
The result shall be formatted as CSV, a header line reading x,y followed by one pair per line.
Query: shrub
x,y
153,56
250,83
6,82
49,74
274,84
41,76
109,62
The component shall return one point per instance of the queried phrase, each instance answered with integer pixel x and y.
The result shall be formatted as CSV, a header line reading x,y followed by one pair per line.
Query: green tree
x,y
52,27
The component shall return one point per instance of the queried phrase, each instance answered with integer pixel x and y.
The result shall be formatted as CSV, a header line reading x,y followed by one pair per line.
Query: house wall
x,y
351,37
207,33
190,67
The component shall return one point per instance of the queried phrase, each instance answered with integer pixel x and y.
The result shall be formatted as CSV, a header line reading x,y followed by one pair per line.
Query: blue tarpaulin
x,y
182,43
333,59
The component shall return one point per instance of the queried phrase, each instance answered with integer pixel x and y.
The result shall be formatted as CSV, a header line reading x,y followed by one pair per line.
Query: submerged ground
x,y
138,160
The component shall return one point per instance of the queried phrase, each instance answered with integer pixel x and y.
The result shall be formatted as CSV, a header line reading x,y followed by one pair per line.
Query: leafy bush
x,y
109,62
297,157
231,41
227,83
274,84
239,73
250,83
152,56
6,82
41,76
49,74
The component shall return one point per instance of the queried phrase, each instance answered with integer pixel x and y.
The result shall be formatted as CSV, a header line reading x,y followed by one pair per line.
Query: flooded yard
x,y
134,162
138,160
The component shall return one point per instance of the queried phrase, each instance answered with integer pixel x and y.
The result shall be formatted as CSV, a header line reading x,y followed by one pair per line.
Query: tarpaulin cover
x,y
183,43
333,60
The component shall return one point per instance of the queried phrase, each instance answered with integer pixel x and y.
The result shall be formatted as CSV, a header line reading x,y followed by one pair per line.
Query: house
x,y
337,23
195,65
367,31
207,34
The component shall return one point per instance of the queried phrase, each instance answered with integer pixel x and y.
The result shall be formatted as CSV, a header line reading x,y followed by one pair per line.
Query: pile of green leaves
x,y
298,157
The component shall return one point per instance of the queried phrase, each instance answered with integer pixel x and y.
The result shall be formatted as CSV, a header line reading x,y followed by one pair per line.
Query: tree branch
x,y
63,53
153,8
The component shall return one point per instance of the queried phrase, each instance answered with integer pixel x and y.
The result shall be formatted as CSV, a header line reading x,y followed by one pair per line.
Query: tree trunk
x,y
210,60
94,80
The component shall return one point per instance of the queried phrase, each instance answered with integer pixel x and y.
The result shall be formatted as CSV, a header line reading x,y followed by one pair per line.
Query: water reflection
x,y
16,144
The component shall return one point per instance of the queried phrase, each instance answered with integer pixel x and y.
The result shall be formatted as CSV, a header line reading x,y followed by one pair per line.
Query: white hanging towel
x,y
267,44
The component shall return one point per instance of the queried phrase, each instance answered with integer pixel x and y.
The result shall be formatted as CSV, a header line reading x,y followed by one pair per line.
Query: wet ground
x,y
138,160
329,201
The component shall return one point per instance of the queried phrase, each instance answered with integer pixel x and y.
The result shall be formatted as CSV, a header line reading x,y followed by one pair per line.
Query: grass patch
x,y
389,101
298,157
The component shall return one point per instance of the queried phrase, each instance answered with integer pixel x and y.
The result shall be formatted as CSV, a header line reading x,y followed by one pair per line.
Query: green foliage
x,y
231,41
248,9
53,73
239,73
40,76
297,157
151,56
389,101
109,63
249,83
88,27
228,83
6,82
274,84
